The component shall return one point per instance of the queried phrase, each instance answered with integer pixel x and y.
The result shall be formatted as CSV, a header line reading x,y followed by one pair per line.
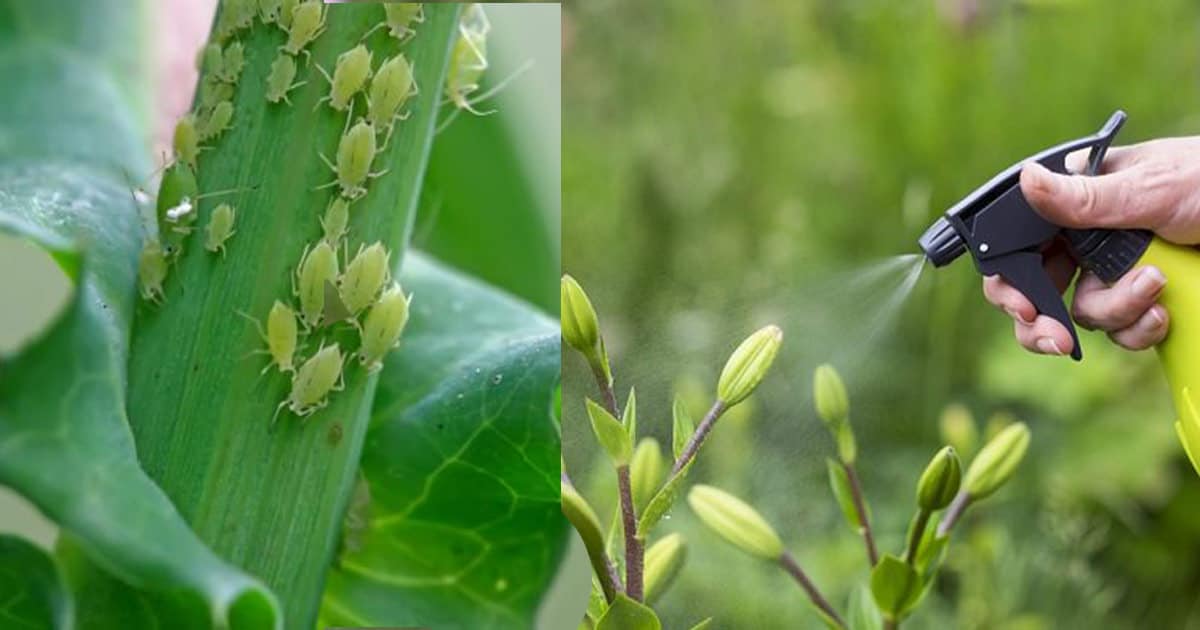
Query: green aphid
x,y
392,86
233,61
356,151
235,16
279,81
218,121
307,24
349,76
175,207
208,62
280,336
285,13
152,271
384,324
364,277
468,59
335,221
220,228
314,380
212,93
318,266
399,18
270,10
186,140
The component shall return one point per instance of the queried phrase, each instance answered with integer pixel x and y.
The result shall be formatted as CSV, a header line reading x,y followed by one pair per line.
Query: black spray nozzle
x,y
1006,236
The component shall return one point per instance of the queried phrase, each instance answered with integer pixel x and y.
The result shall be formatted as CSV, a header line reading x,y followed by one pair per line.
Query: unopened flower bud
x,y
735,521
748,365
997,461
939,483
646,470
829,395
664,559
580,327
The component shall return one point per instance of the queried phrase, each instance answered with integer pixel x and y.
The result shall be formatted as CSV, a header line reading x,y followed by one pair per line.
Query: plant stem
x,y
790,565
914,541
633,545
891,624
606,390
602,564
860,506
698,436
953,513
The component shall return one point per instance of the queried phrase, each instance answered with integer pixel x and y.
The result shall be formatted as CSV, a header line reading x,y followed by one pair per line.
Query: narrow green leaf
x,y
610,433
626,614
932,551
703,625
661,503
629,416
861,611
69,120
462,460
33,591
895,586
839,482
682,427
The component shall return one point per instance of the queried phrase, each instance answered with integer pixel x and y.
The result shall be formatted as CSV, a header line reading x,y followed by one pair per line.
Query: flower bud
x,y
646,470
580,328
997,461
748,365
583,518
735,521
939,483
958,429
664,559
829,395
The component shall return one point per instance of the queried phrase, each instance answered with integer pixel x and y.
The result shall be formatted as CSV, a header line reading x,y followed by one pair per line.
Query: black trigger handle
x,y
1025,271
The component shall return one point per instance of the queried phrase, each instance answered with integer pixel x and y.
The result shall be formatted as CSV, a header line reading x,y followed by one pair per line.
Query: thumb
x,y
1077,201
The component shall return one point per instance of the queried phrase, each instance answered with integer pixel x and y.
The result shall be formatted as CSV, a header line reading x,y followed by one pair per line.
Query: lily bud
x,y
939,483
735,521
664,559
958,429
748,365
646,470
997,461
829,395
580,327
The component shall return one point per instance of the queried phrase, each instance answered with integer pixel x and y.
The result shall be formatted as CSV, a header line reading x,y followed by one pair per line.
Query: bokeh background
x,y
733,164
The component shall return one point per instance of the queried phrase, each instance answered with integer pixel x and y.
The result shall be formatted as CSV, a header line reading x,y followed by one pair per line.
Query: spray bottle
x,y
1005,236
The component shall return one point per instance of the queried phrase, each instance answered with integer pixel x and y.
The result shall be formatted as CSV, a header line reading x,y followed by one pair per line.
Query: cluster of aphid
x,y
359,292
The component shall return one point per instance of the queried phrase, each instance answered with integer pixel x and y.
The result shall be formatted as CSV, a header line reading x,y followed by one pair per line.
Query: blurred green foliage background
x,y
733,164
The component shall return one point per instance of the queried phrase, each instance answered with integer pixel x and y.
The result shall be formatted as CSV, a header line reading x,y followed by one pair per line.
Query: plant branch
x,y
606,390
914,541
860,506
633,545
789,564
953,513
698,437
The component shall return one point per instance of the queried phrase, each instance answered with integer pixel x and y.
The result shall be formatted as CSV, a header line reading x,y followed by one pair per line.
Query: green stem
x,y
633,545
860,506
959,505
914,540
692,448
793,569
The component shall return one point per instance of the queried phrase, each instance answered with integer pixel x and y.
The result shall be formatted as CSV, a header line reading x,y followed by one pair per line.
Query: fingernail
x,y
1047,345
1017,316
1157,314
1149,282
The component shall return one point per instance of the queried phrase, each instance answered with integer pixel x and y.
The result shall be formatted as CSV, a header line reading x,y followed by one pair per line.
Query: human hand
x,y
1153,185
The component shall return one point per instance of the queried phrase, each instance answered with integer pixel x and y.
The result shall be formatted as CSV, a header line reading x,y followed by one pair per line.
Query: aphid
x,y
220,228
317,266
356,151
209,60
381,332
313,381
233,60
236,15
364,277
174,207
307,24
285,13
269,10
152,271
468,59
218,121
351,73
399,19
280,336
392,86
212,93
279,82
187,140
337,217
335,309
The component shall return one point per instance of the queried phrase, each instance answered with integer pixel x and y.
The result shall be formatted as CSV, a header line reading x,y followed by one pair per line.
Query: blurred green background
x,y
733,164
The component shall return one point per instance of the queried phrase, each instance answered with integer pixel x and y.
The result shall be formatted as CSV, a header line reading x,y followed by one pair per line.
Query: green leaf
x,y
462,461
895,587
479,191
610,433
662,501
69,132
629,416
839,482
861,611
626,614
33,591
703,625
932,551
682,427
